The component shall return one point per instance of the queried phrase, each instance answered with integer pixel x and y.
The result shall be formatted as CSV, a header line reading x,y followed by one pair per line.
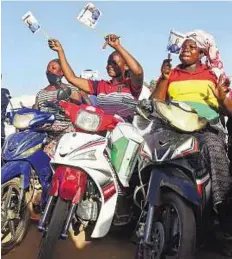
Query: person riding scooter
x,y
195,84
110,93
54,75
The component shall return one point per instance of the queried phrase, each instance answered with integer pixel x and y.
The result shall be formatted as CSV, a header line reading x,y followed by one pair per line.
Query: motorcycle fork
x,y
71,212
148,226
20,195
47,210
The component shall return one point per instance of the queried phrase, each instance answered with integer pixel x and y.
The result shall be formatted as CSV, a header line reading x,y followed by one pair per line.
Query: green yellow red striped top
x,y
195,89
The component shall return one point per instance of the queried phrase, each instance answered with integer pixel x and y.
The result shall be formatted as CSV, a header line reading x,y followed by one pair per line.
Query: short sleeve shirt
x,y
109,96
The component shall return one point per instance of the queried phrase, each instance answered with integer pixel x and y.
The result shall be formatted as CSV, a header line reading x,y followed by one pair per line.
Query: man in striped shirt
x,y
109,93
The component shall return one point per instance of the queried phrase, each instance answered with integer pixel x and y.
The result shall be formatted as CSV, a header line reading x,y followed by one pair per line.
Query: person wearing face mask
x,y
62,124
54,75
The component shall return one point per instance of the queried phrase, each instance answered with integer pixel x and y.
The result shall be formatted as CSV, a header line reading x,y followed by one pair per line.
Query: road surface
x,y
107,248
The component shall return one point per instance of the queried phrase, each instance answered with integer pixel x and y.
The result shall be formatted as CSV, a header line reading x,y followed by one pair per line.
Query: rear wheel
x,y
49,239
173,235
14,225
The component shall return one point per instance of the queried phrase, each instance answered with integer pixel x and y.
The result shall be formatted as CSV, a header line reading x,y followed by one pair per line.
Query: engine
x,y
88,208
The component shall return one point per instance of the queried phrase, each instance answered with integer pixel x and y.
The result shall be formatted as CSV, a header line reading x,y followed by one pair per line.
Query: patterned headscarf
x,y
206,42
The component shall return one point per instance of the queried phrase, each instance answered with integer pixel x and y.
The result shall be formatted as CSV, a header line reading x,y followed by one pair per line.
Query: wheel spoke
x,y
12,228
8,198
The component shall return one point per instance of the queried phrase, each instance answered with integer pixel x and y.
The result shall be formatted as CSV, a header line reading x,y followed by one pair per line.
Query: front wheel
x,y
173,234
49,239
14,217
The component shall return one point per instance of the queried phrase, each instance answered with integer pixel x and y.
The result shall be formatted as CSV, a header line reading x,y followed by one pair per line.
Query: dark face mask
x,y
54,79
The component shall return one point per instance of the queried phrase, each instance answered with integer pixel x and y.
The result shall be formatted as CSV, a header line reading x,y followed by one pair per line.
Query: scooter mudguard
x,y
14,169
171,178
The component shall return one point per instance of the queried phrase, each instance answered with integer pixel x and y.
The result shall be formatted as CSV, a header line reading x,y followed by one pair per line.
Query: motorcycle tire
x,y
187,227
50,238
23,223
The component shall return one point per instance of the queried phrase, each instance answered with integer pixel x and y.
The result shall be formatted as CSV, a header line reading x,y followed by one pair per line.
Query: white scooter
x,y
91,168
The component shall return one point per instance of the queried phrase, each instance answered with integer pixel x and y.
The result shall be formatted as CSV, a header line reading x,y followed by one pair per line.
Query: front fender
x,y
171,178
14,169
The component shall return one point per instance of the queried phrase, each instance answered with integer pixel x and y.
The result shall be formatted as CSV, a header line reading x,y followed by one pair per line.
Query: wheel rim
x,y
158,239
11,228
153,251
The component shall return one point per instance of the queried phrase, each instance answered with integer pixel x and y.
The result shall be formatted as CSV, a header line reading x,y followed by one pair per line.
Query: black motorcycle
x,y
177,207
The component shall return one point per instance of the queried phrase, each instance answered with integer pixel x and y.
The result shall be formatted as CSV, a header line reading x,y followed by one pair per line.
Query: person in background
x,y
5,99
197,85
88,74
152,85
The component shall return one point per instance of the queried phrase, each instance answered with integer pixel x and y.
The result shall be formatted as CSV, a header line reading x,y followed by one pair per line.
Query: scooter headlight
x,y
88,121
22,121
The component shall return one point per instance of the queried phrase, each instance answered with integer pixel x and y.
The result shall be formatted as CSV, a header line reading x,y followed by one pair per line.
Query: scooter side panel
x,y
14,169
40,161
105,218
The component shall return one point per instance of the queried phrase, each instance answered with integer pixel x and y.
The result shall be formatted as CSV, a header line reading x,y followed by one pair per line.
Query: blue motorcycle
x,y
25,175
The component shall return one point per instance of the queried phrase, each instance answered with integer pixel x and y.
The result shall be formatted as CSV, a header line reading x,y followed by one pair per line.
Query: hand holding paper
x,y
112,40
166,69
54,45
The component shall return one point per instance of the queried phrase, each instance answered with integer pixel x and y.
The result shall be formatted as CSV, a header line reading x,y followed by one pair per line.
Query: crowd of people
x,y
192,82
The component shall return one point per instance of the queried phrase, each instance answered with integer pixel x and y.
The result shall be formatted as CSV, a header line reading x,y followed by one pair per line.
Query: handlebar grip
x,y
130,101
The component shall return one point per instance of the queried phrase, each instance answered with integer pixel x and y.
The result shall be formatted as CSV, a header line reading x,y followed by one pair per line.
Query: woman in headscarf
x,y
205,88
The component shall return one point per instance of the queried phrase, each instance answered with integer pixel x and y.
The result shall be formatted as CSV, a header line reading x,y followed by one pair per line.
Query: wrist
x,y
118,47
164,78
60,50
222,102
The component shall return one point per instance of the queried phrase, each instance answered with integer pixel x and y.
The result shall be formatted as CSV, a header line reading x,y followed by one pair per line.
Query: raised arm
x,y
70,76
134,66
161,89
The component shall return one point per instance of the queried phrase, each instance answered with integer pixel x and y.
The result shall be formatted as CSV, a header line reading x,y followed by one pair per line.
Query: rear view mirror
x,y
64,93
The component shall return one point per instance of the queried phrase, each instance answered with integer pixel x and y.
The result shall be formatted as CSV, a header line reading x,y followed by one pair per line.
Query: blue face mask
x,y
54,79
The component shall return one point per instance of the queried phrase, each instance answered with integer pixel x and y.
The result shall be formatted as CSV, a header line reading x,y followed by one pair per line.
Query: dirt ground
x,y
107,248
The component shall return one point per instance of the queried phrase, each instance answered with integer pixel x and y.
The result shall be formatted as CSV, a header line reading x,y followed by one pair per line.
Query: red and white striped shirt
x,y
109,96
